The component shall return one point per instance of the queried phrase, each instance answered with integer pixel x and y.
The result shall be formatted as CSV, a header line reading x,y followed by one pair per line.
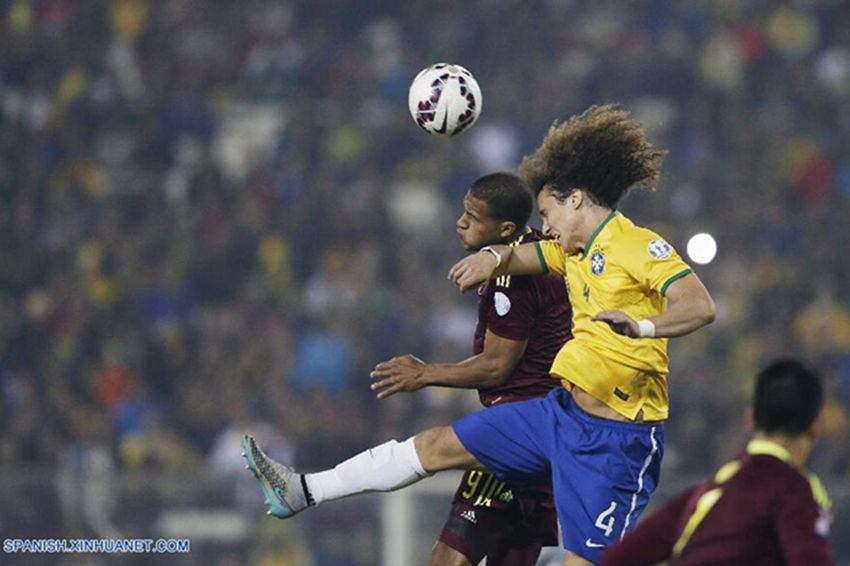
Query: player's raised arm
x,y
495,261
689,308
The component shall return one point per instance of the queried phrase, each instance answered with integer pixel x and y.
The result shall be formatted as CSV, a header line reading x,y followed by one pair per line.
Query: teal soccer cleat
x,y
285,490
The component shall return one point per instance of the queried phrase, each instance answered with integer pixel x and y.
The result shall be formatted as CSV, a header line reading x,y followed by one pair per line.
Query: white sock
x,y
387,467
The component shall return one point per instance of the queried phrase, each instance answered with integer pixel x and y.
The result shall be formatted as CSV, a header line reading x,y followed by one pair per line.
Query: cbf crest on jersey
x,y
597,262
659,249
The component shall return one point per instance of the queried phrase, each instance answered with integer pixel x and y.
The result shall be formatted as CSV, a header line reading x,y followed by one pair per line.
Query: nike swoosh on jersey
x,y
590,544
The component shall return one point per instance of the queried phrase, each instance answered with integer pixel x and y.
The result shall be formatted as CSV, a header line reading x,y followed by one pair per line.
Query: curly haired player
x,y
600,436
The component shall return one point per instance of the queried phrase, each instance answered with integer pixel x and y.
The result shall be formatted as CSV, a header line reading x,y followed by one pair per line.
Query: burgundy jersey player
x,y
761,509
522,323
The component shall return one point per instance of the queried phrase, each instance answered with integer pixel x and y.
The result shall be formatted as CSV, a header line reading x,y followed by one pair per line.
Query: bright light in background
x,y
702,248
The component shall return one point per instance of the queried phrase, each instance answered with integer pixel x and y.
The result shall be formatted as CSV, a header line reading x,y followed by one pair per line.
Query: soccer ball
x,y
444,99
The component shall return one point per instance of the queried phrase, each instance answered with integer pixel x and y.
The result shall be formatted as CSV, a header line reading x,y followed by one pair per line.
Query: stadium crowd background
x,y
217,217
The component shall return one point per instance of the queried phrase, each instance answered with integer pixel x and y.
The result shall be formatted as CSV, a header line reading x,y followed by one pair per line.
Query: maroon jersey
x,y
488,518
757,510
528,307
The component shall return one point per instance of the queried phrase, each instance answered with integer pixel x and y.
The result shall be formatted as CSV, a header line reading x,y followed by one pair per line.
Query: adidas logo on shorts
x,y
469,515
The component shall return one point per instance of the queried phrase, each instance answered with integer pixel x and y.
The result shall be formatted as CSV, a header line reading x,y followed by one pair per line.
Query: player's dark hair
x,y
602,151
506,196
788,398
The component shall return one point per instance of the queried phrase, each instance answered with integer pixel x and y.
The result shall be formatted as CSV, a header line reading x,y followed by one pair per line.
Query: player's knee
x,y
444,555
439,449
572,559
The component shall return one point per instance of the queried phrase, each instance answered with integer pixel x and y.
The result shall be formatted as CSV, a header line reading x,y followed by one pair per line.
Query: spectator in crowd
x,y
196,198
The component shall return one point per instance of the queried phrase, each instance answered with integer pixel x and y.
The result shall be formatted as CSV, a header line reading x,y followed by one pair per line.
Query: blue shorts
x,y
602,471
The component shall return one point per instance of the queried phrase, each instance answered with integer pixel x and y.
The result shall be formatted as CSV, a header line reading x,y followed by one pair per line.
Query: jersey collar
x,y
518,240
596,232
758,446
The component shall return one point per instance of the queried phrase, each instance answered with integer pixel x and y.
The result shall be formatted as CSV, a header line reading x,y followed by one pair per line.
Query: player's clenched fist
x,y
472,270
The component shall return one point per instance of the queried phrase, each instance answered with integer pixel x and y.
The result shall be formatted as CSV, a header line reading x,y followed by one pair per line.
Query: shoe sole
x,y
276,507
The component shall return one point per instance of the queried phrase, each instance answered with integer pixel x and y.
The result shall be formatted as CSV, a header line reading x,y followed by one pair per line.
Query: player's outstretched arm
x,y
489,368
502,260
689,307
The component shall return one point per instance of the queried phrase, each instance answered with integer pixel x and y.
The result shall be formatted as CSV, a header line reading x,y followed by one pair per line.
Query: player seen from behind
x,y
761,509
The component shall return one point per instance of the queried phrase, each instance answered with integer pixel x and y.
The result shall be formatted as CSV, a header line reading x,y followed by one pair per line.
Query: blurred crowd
x,y
218,216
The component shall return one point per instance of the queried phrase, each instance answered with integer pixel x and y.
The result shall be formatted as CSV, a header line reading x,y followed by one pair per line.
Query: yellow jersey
x,y
623,267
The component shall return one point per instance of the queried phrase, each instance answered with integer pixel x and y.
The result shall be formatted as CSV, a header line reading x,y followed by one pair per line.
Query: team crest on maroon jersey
x,y
823,522
597,263
502,303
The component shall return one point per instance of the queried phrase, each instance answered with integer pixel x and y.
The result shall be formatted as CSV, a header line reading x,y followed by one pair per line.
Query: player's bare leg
x,y
440,449
387,467
515,555
572,559
444,555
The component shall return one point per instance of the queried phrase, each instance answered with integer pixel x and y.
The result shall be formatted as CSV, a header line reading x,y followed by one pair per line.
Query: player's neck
x,y
592,221
798,447
515,235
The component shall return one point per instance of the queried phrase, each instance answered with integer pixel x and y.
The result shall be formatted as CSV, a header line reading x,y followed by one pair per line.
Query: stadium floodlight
x,y
702,248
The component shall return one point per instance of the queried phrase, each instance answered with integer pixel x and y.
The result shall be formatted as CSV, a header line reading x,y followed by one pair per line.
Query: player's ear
x,y
507,229
816,428
750,419
576,199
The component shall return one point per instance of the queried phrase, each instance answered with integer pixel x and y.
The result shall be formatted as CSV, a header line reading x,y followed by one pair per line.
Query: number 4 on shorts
x,y
605,520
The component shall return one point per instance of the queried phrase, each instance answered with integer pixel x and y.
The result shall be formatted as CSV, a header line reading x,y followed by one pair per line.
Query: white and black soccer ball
x,y
444,99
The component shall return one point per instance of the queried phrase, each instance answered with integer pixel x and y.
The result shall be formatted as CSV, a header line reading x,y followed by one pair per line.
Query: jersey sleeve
x,y
652,540
552,256
802,521
512,314
653,262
